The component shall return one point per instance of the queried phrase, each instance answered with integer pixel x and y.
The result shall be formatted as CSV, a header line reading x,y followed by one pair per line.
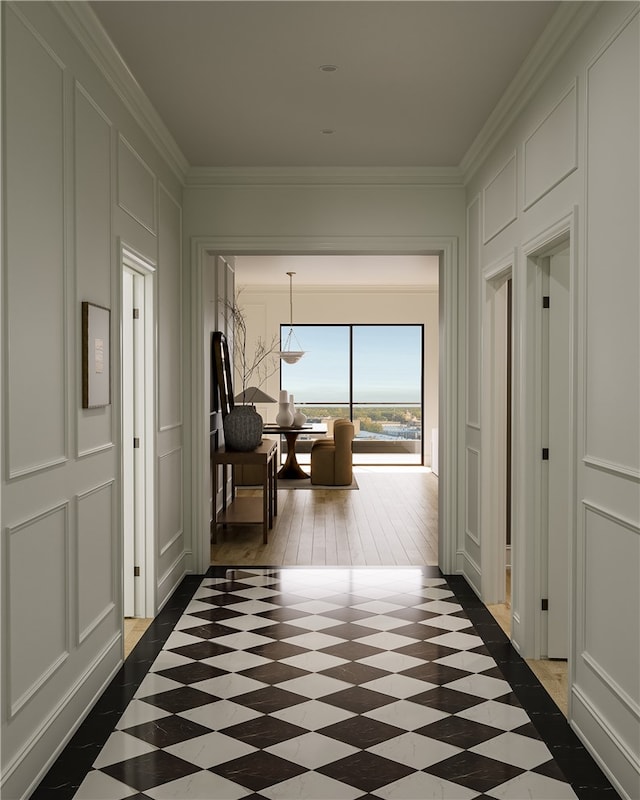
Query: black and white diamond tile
x,y
326,684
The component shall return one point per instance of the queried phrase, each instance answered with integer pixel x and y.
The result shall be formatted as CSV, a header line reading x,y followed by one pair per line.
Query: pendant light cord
x,y
291,274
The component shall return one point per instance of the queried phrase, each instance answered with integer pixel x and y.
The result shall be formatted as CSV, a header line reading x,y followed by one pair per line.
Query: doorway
x,y
205,251
496,421
137,380
556,464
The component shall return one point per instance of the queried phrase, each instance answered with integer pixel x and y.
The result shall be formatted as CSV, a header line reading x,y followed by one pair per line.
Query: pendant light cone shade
x,y
288,353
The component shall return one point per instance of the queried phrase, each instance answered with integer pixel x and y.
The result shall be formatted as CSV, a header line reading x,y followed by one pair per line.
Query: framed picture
x,y
96,356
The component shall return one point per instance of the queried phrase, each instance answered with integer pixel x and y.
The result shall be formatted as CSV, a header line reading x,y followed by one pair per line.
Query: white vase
x,y
284,417
299,418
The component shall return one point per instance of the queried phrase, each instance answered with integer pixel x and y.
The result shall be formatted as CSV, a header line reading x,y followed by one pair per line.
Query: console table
x,y
246,510
291,470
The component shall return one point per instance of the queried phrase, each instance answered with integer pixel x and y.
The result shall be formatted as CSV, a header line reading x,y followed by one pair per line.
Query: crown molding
x,y
310,176
562,30
86,27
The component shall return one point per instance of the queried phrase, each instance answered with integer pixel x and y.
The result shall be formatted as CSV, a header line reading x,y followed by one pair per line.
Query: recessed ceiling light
x,y
328,68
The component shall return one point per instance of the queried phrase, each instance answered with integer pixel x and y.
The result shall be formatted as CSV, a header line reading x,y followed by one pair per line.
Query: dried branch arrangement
x,y
256,366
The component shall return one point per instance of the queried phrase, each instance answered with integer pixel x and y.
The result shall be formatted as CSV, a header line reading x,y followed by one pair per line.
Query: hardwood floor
x,y
552,674
392,519
134,628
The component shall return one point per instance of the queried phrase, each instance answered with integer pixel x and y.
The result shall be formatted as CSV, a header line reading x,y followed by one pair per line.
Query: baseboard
x,y
618,762
22,775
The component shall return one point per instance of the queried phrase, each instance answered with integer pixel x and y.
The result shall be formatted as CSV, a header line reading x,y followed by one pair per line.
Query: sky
x,y
387,364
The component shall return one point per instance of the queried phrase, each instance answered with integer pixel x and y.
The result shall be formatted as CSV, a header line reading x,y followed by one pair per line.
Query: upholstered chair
x,y
331,462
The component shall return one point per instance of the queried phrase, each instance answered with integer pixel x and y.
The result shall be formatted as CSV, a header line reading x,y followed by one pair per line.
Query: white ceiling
x,y
336,271
238,83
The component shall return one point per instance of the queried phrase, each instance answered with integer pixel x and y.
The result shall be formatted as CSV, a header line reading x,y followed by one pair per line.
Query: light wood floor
x,y
392,519
553,675
134,628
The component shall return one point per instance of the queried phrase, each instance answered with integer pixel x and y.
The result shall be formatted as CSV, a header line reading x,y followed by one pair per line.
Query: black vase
x,y
242,428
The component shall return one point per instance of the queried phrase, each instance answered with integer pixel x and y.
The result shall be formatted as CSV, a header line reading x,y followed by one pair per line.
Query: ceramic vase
x,y
299,418
284,417
242,429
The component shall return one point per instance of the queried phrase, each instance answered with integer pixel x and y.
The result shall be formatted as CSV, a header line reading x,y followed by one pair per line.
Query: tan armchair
x,y
331,462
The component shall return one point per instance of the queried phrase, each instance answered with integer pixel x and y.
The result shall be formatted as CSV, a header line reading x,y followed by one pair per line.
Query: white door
x,y
559,464
133,474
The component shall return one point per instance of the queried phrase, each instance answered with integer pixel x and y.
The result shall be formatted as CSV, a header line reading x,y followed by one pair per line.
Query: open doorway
x,y
137,381
534,611
496,424
444,434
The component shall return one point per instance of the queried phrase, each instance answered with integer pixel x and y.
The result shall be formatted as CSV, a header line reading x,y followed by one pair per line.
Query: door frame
x,y
529,546
450,556
493,416
145,600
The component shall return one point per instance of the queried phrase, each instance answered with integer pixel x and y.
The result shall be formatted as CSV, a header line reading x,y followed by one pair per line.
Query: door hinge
x,y
545,301
544,604
545,453
136,313
136,442
136,572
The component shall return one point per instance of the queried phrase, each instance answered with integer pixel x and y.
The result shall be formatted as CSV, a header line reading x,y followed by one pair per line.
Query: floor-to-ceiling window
x,y
371,374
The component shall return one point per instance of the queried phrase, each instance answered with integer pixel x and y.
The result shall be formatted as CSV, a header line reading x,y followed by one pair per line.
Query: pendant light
x,y
288,354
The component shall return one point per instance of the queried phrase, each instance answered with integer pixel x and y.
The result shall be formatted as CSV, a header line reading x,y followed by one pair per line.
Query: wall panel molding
x,y
550,152
92,451
472,317
472,506
611,430
620,470
139,204
610,546
171,504
171,542
92,174
611,516
631,705
36,142
100,534
170,322
499,200
36,650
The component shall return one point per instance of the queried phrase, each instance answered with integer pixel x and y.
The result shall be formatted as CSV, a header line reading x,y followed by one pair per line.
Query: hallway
x,y
324,683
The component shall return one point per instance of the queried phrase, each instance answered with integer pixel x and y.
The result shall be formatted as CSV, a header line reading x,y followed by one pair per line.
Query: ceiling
x,y
238,83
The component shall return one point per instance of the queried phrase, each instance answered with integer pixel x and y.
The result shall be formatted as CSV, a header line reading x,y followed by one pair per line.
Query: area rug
x,y
306,484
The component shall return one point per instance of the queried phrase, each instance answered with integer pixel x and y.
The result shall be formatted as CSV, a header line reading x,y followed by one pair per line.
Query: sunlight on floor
x,y
553,675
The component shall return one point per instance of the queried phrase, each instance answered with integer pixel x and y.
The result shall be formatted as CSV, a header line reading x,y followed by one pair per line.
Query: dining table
x,y
291,469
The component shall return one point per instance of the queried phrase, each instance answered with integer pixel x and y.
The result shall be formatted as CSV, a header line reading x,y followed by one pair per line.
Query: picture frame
x,y
96,355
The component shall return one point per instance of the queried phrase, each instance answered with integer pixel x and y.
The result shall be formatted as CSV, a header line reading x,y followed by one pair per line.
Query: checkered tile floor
x,y
326,684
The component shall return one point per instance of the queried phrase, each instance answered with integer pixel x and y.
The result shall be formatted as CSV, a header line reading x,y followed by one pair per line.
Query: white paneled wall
x,y
566,169
93,247
550,153
38,638
37,432
81,181
606,690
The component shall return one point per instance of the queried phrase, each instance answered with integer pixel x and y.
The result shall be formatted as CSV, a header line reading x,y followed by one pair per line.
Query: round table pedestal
x,y
291,470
